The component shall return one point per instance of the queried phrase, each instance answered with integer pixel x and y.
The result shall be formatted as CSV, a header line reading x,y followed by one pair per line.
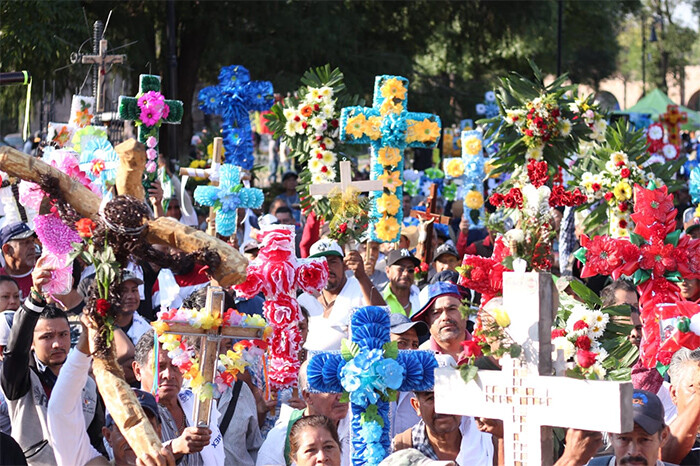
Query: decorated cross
x,y
390,129
469,169
210,326
211,174
370,371
427,218
656,256
102,60
673,119
82,112
277,273
149,110
227,197
489,108
99,161
524,394
233,98
346,183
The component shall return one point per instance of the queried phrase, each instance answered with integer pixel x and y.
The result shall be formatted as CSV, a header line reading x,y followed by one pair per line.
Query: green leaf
x,y
640,276
661,368
344,398
349,349
468,372
515,350
580,254
672,238
371,414
391,349
582,291
637,239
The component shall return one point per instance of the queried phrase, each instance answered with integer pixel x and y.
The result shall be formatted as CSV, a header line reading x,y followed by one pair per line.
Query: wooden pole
x,y
161,231
209,353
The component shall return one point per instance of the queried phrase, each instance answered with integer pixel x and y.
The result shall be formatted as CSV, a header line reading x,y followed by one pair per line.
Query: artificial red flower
x,y
558,332
585,358
622,223
608,196
623,206
424,267
653,205
657,258
580,325
537,172
343,227
595,187
283,310
602,256
102,306
496,199
625,172
664,357
583,342
312,275
253,283
514,199
471,349
85,227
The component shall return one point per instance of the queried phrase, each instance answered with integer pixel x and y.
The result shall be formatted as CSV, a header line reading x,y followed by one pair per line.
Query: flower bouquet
x,y
309,122
608,174
594,344
348,226
540,122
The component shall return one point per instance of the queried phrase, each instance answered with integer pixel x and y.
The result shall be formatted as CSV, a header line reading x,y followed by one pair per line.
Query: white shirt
x,y
69,439
212,454
325,334
477,447
271,452
139,326
402,416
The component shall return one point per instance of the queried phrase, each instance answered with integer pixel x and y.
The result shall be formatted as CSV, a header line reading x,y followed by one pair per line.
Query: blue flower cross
x,y
472,163
370,371
233,98
227,198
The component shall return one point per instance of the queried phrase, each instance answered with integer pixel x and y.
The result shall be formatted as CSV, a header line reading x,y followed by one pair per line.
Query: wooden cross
x,y
211,174
524,394
233,98
389,128
425,242
673,119
209,345
469,170
345,183
102,60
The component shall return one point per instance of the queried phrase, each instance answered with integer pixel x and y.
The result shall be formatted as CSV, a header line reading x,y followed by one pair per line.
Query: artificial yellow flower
x,y
389,156
391,180
623,191
387,228
393,88
474,200
472,145
356,126
388,204
501,317
372,127
424,131
160,327
454,168
389,106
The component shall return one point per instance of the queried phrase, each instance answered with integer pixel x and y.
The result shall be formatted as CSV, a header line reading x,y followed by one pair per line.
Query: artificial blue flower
x,y
371,432
210,99
694,185
229,201
389,374
234,75
374,453
393,130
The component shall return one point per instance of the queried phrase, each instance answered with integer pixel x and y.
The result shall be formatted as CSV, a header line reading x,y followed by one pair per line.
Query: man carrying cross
x,y
191,444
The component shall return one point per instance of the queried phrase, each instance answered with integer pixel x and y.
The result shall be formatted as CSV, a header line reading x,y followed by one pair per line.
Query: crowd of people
x,y
51,411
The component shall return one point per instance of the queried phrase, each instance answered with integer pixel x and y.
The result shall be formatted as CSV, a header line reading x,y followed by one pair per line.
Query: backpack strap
x,y
231,408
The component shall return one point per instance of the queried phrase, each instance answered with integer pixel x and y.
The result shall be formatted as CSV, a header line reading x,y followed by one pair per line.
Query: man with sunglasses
x,y
401,295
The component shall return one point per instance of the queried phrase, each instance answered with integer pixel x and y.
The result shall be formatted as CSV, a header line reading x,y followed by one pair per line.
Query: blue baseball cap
x,y
14,231
648,411
430,293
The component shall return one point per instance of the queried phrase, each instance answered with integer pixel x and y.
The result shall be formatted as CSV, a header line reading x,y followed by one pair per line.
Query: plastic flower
x,y
391,180
393,88
454,168
424,131
389,156
387,228
623,191
85,227
388,204
356,126
372,127
474,200
657,257
472,145
83,117
389,106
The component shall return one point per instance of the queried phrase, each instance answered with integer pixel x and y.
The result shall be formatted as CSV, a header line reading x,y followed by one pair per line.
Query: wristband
x,y
36,296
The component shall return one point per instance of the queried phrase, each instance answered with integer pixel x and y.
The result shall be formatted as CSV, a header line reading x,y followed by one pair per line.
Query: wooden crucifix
x,y
524,394
210,341
102,60
425,241
345,183
211,174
